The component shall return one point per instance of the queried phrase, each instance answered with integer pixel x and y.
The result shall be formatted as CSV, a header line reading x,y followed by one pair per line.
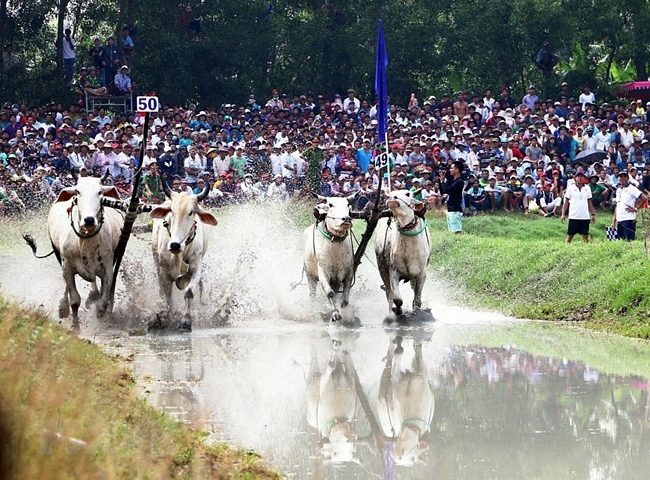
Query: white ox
x,y
405,405
332,403
329,254
179,242
84,235
403,247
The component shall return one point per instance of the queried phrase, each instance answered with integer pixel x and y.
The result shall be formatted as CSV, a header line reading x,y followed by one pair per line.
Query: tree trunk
x,y
641,66
3,21
63,7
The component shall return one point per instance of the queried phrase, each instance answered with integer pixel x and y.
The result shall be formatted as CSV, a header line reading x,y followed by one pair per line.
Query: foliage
x,y
522,266
327,46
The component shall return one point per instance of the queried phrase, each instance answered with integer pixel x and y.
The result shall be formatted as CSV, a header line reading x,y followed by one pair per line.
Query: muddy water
x,y
457,394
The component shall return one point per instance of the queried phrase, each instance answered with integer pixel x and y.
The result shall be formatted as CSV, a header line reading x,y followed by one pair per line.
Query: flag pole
x,y
381,89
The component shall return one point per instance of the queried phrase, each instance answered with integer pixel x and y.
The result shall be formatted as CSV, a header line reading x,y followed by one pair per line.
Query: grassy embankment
x,y
67,410
522,266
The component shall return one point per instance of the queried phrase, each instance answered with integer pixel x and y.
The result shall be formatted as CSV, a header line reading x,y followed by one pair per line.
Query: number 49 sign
x,y
147,104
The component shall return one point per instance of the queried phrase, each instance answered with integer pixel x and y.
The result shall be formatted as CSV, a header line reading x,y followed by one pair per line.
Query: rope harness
x,y
100,220
191,235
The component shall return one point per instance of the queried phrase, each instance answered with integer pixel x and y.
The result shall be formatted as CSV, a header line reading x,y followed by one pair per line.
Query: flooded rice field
x,y
452,395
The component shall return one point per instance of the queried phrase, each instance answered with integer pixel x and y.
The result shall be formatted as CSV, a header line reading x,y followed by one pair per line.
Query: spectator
x,y
452,186
577,200
122,82
628,200
94,84
110,59
127,45
69,55
96,54
9,58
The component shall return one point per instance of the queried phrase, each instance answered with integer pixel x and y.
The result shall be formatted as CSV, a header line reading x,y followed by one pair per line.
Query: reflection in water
x,y
326,403
405,405
332,401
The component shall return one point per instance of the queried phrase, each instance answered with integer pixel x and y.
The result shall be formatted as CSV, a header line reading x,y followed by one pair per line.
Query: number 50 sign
x,y
147,104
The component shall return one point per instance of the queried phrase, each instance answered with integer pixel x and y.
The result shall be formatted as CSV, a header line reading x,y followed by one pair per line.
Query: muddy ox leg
x,y
94,294
73,295
347,286
397,296
329,292
418,284
186,322
106,302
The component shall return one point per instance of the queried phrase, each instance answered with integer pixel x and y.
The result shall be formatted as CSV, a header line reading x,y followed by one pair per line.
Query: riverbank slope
x,y
521,265
68,410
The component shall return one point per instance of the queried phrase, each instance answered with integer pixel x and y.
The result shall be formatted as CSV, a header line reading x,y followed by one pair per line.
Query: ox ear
x,y
111,192
206,217
160,212
320,211
417,205
66,194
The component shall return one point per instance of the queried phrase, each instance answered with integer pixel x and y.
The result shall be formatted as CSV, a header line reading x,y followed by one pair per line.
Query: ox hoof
x,y
185,326
397,310
344,303
75,329
336,317
92,298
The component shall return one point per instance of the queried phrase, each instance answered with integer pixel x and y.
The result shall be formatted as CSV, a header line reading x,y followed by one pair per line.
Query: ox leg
x,y
418,284
329,293
186,322
64,304
313,283
347,285
397,296
105,301
75,298
94,294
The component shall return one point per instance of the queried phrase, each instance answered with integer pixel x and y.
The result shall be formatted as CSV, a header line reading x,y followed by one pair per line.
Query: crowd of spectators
x,y
519,154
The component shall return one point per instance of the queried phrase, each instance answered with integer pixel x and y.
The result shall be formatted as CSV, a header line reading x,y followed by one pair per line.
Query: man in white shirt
x,y
221,163
590,140
351,100
577,200
628,201
603,140
107,160
276,160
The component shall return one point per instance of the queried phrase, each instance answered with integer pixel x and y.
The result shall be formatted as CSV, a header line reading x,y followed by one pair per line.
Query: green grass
x,y
56,389
521,265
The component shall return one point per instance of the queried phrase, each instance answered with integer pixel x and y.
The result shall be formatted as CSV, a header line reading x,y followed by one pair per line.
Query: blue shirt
x,y
363,159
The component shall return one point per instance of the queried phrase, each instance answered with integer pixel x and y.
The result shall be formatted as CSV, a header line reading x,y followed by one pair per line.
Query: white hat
x,y
276,176
124,66
202,112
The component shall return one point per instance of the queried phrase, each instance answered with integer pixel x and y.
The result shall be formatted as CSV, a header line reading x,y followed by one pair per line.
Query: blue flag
x,y
381,87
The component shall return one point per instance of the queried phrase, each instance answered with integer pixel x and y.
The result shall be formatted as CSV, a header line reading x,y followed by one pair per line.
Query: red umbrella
x,y
639,90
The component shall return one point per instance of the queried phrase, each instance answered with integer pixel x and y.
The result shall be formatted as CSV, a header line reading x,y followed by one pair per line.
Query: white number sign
x,y
147,104
381,161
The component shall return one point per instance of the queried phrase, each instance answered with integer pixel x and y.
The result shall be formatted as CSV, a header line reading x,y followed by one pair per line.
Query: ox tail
x,y
32,244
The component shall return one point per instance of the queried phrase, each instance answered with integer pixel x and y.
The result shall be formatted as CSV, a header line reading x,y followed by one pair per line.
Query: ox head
x,y
335,211
181,215
88,195
409,446
341,446
402,202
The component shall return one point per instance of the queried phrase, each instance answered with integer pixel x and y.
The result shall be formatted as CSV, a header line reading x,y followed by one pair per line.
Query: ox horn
x,y
73,172
416,192
201,196
166,189
105,177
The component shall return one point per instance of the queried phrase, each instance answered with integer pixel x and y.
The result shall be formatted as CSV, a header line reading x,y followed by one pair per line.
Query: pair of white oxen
x,y
85,234
402,248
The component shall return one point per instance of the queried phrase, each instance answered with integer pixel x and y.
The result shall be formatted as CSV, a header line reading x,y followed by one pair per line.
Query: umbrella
x,y
640,90
590,156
